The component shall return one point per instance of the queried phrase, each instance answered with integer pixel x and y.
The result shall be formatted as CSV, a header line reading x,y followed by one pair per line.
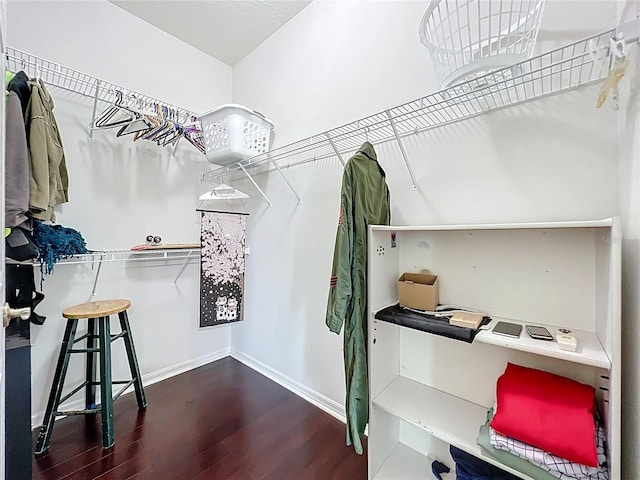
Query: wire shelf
x,y
106,256
74,81
580,63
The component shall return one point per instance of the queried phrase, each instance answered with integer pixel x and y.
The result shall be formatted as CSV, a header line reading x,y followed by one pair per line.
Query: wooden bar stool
x,y
100,312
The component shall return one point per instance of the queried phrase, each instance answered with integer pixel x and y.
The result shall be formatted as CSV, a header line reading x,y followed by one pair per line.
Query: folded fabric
x,y
510,460
553,413
557,466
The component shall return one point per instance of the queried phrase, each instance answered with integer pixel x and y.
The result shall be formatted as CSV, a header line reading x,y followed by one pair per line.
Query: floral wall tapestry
x,y
221,268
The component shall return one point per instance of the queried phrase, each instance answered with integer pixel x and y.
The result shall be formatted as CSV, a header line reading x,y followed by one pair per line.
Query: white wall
x,y
120,191
555,159
629,158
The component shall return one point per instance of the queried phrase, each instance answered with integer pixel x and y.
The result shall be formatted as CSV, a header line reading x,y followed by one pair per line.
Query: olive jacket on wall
x,y
364,201
49,182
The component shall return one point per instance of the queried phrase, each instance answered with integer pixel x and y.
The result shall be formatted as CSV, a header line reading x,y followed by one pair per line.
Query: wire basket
x,y
233,133
471,38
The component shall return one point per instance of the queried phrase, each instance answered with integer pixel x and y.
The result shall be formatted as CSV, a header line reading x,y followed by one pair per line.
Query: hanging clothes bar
x,y
74,81
549,73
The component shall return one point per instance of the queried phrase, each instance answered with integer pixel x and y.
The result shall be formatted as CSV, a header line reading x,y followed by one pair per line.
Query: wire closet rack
x,y
79,83
584,62
97,90
109,256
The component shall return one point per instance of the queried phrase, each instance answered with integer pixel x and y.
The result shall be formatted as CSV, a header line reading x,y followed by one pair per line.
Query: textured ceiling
x,y
225,29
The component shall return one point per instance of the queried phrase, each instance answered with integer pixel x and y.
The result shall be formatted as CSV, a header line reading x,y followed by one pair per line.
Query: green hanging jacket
x,y
364,201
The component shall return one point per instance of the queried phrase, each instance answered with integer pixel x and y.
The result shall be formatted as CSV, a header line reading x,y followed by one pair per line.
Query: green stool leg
x,y
133,361
90,392
56,389
106,395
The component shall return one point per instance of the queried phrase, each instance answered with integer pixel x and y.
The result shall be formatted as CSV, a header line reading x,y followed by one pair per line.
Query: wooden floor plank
x,y
243,474
222,421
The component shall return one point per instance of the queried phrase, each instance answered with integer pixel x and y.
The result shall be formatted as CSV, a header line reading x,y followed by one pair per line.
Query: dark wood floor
x,y
223,421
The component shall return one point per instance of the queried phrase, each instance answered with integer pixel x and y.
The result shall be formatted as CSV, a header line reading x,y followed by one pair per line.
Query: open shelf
x,y
133,255
589,351
449,418
405,463
106,256
605,222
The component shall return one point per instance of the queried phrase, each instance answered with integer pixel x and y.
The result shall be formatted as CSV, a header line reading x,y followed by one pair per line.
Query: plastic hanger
x,y
170,135
617,48
222,191
162,113
610,85
113,116
154,119
193,134
139,124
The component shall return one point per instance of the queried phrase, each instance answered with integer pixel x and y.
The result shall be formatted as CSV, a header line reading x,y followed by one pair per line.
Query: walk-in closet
x,y
320,239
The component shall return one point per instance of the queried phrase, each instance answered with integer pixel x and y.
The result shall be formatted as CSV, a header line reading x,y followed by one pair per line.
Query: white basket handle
x,y
258,114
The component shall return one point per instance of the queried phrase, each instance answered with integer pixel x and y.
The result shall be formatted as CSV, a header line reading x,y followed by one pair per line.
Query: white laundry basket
x,y
470,38
233,133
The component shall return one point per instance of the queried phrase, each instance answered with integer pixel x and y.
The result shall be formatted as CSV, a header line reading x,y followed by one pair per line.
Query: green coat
x,y
364,202
49,181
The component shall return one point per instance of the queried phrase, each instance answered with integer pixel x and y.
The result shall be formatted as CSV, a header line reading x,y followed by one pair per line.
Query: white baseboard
x,y
332,407
148,379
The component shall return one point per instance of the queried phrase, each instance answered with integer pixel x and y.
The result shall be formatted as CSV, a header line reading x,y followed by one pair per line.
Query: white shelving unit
x,y
428,392
409,462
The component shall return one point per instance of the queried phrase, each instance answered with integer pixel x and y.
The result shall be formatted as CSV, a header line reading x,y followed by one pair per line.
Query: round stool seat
x,y
102,308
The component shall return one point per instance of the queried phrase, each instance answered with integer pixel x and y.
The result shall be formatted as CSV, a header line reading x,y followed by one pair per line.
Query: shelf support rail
x,y
95,280
175,149
284,178
264,195
184,266
402,151
335,149
95,107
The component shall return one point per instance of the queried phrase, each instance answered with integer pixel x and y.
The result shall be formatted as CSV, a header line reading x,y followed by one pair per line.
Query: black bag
x,y
469,467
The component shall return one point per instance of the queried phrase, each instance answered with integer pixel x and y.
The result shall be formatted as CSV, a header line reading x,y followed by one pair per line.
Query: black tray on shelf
x,y
428,323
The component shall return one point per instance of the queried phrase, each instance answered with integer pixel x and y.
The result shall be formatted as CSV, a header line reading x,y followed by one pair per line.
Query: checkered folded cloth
x,y
556,466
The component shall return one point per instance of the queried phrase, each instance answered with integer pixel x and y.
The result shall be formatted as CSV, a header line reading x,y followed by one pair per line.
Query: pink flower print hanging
x,y
221,268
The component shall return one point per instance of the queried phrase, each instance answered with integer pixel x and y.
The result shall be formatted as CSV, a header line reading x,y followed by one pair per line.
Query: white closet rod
x,y
79,83
580,63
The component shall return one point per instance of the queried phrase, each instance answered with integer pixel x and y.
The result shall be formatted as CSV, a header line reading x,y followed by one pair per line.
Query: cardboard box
x,y
418,290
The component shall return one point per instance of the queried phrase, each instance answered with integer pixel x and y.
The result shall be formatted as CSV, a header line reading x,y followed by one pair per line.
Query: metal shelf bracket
x,y
184,266
285,180
93,114
264,195
97,276
402,151
335,149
